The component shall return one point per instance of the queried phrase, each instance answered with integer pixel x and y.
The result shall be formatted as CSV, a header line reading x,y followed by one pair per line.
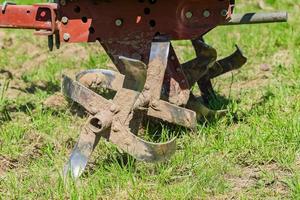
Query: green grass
x,y
252,153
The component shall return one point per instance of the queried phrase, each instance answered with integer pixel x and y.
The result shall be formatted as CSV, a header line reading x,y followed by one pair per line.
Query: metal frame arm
x,y
41,17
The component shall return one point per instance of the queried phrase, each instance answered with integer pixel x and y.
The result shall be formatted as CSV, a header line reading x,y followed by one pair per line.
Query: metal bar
x,y
157,67
39,16
257,18
121,135
173,114
90,100
101,78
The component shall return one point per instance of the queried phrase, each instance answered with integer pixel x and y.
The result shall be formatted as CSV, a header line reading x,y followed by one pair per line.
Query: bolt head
x,y
119,22
66,36
113,109
206,13
115,129
64,20
224,13
189,15
154,103
63,2
147,87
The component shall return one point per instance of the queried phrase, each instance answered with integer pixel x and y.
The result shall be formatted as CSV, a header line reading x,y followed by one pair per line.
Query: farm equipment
x,y
150,82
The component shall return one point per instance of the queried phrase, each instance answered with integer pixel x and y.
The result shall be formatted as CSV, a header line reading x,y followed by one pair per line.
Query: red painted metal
x,y
126,27
141,20
38,16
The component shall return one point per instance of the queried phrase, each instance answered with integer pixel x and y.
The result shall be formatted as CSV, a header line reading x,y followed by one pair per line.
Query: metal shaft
x,y
257,18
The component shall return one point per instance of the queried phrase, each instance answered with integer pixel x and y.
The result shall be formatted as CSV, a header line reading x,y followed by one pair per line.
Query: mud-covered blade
x,y
101,77
81,153
140,149
135,73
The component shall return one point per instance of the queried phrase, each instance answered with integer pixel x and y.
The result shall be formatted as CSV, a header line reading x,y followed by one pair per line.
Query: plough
x,y
150,82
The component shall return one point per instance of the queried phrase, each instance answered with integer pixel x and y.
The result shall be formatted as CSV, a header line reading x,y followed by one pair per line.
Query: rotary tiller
x,y
150,82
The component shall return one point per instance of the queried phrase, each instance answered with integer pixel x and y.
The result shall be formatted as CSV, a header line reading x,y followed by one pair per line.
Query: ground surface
x,y
252,153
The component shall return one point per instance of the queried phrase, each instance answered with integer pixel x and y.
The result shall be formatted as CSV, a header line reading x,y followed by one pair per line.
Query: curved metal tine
x,y
102,77
233,62
81,153
90,100
123,138
135,73
138,148
202,111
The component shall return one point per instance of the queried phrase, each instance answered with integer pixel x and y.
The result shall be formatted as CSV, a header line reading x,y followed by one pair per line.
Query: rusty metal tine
x,y
135,73
156,68
203,113
80,155
96,127
139,148
198,68
121,136
173,114
101,78
155,74
206,88
232,62
90,100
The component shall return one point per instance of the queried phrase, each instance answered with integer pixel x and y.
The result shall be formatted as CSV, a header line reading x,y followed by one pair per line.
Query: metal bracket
x,y
5,4
52,7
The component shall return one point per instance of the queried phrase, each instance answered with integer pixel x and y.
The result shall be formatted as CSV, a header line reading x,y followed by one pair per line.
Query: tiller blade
x,y
112,123
154,88
111,119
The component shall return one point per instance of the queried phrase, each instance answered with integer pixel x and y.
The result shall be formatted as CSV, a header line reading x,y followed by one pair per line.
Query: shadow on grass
x,y
49,87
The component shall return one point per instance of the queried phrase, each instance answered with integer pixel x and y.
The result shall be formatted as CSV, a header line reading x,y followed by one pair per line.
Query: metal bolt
x,y
224,12
113,108
206,13
154,103
66,36
64,20
119,22
189,15
147,87
172,57
178,69
115,128
63,2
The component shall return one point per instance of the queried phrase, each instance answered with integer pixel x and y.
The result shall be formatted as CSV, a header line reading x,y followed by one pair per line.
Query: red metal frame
x,y
140,21
38,16
125,27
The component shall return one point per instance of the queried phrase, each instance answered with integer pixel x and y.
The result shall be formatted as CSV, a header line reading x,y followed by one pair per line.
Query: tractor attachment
x,y
150,82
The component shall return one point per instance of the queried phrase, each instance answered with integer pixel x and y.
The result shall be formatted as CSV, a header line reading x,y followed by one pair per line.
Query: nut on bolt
x,y
224,12
63,2
64,20
147,86
119,22
188,14
66,37
206,13
114,109
115,128
154,104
